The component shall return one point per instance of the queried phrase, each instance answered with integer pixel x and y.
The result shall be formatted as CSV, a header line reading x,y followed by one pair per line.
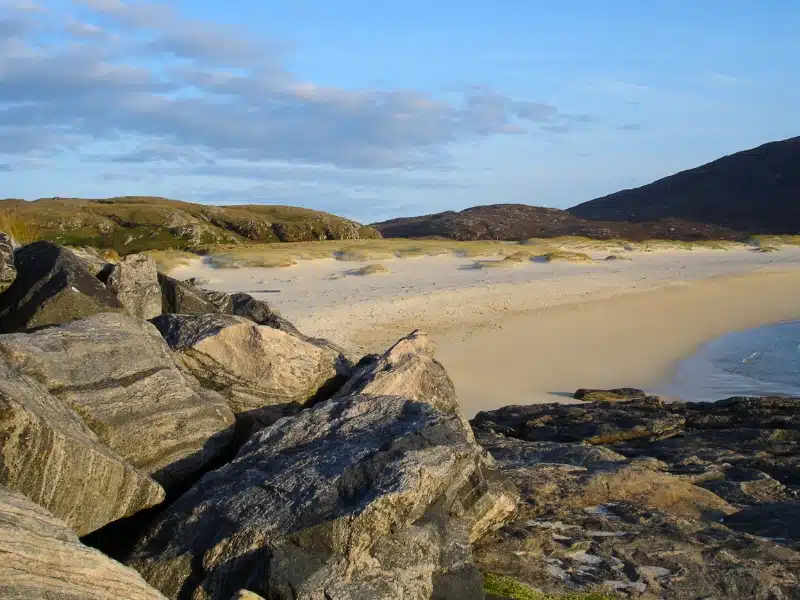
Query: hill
x,y
133,224
754,191
520,221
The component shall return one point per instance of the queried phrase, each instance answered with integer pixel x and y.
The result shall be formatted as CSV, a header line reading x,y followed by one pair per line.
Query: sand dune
x,y
540,330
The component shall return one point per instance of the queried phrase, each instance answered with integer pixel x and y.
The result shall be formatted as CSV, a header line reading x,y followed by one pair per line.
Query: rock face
x,y
117,373
678,501
251,365
614,395
407,369
181,298
48,454
43,558
365,498
52,287
134,281
8,271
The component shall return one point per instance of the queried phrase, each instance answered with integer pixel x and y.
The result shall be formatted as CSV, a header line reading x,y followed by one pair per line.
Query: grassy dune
x,y
487,254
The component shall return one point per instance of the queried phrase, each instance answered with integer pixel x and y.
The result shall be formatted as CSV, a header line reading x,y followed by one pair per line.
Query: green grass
x,y
508,587
774,240
510,261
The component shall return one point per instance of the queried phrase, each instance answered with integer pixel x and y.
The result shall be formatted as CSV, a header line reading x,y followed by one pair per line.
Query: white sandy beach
x,y
536,332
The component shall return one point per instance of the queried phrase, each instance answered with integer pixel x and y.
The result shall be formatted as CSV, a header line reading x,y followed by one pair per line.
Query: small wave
x,y
771,366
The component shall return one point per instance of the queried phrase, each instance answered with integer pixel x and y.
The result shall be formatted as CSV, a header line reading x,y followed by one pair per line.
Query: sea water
x,y
756,362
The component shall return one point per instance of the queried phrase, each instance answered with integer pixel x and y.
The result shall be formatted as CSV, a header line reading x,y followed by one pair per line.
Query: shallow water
x,y
755,362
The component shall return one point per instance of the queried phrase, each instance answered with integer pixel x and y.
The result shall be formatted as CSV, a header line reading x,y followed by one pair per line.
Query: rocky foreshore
x,y
203,448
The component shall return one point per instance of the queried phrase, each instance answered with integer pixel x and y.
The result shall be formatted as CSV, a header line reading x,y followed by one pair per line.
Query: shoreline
x,y
535,334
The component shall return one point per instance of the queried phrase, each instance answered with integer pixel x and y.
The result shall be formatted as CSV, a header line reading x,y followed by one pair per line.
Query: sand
x,y
534,332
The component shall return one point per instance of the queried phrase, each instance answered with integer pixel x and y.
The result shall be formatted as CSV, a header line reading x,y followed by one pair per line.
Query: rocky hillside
x,y
755,191
134,224
520,222
159,440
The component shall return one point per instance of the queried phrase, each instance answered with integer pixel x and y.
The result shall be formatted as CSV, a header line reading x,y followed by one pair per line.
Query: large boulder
x,y
117,373
8,271
134,281
365,498
51,456
407,369
182,298
53,286
251,365
43,559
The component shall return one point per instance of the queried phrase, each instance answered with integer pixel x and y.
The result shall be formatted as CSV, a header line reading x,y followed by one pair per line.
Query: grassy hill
x,y
133,224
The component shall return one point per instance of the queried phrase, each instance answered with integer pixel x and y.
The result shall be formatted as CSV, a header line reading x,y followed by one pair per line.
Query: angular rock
x,y
42,558
251,365
362,498
779,521
181,298
52,287
95,262
117,373
615,395
134,281
8,271
596,423
51,456
407,369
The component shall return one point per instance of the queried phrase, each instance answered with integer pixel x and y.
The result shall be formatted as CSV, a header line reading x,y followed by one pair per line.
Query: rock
x,y
94,261
245,595
117,373
407,369
251,365
178,297
357,499
52,287
260,312
8,271
42,558
51,456
615,395
596,423
701,502
134,281
632,552
779,521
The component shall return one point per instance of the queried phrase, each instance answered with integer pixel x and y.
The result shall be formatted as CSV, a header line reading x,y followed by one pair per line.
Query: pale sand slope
x,y
537,332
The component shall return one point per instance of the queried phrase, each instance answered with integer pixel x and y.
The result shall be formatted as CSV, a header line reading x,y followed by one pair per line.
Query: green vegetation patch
x,y
502,586
373,269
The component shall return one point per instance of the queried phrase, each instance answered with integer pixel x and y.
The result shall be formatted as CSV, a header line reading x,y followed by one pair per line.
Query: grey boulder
x,y
365,498
51,456
134,281
253,366
53,286
8,271
42,559
117,373
407,369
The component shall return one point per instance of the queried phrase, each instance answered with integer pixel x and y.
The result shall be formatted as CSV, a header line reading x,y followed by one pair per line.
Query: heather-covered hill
x,y
754,191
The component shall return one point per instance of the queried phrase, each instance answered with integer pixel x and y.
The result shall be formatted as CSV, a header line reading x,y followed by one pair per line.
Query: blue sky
x,y
375,109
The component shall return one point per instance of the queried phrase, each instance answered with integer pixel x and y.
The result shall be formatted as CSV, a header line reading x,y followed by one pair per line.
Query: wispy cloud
x,y
187,92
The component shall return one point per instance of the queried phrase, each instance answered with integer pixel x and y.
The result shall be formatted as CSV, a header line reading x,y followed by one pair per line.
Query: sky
x,y
374,109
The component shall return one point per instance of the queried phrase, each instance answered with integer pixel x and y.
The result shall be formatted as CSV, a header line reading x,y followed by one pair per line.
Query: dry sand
x,y
534,332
